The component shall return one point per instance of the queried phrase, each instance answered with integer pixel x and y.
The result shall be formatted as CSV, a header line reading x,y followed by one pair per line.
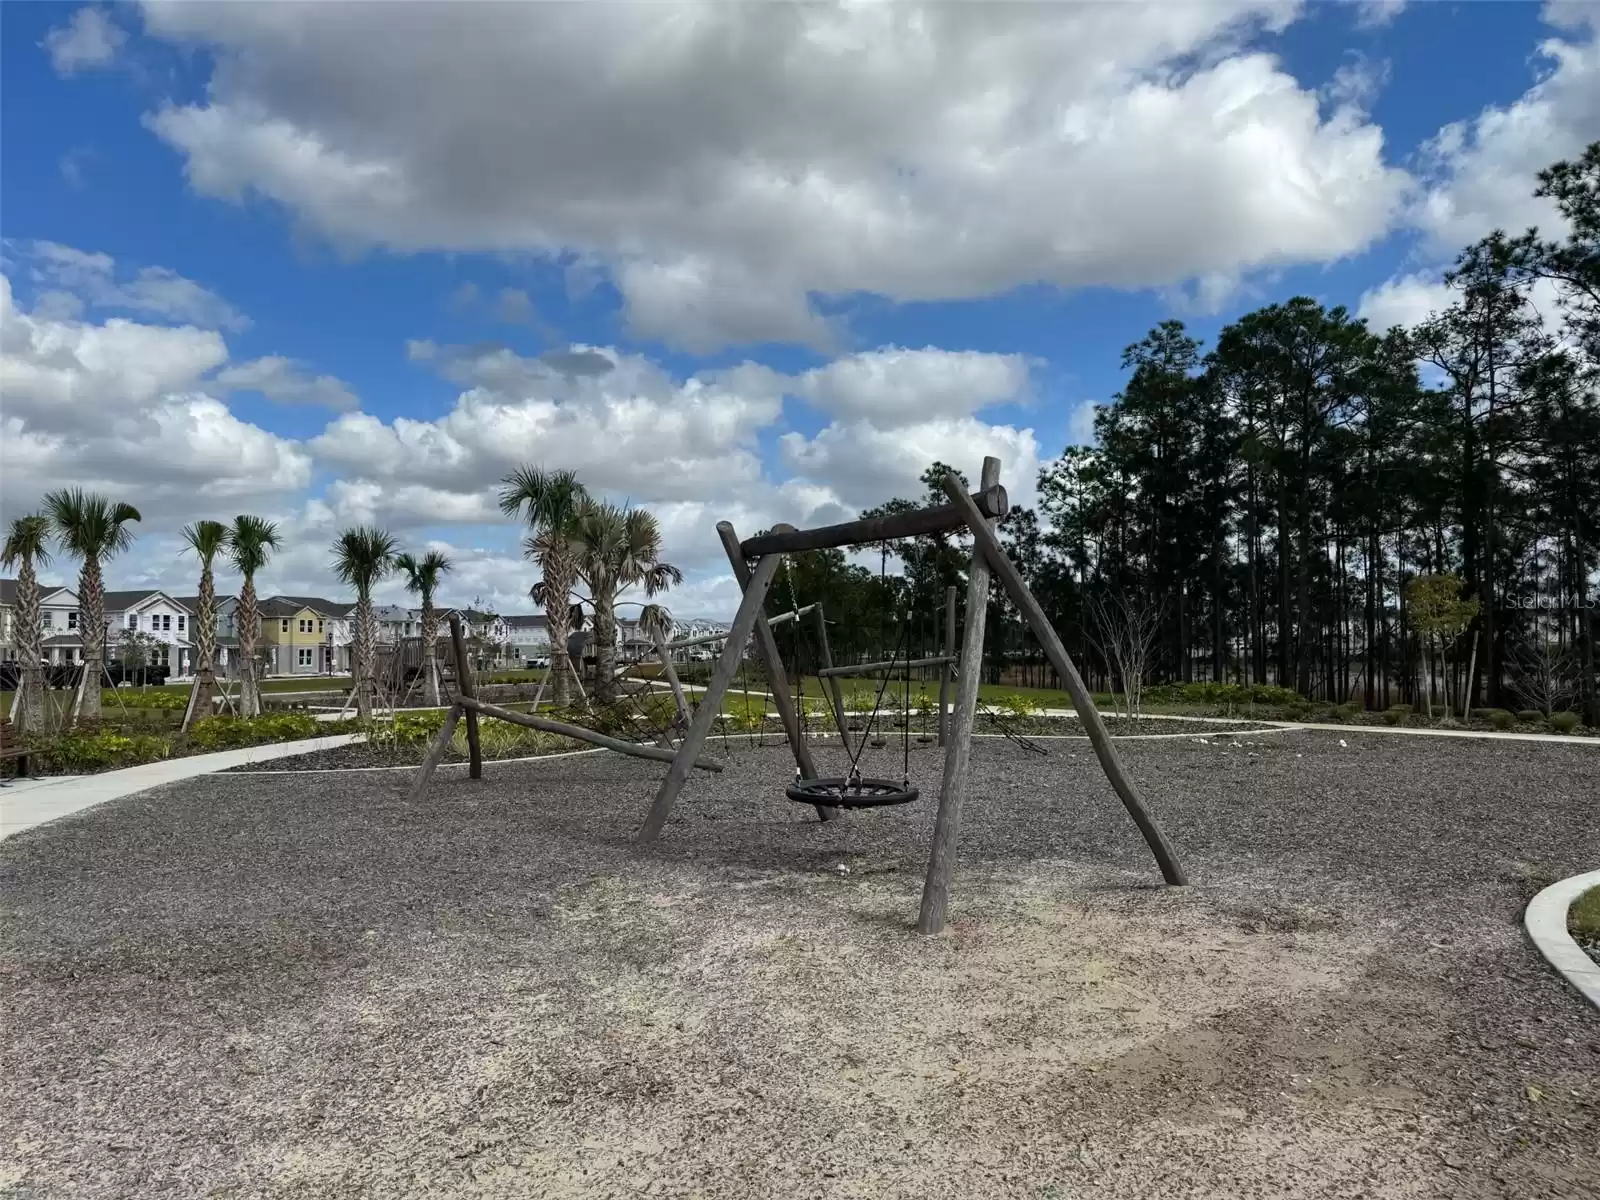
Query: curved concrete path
x,y
1546,923
25,803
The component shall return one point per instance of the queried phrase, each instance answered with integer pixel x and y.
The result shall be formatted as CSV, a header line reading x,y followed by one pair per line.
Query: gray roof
x,y
118,601
328,608
8,591
192,603
533,621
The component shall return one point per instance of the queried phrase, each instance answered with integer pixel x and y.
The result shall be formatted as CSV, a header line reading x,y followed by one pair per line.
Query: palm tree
x,y
361,557
615,549
422,577
92,529
27,547
207,539
550,502
251,541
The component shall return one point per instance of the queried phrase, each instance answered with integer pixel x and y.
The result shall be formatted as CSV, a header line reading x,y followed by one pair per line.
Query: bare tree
x,y
1544,675
1125,628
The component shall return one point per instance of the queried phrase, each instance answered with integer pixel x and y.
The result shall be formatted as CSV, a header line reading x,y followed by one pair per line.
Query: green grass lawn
x,y
1583,918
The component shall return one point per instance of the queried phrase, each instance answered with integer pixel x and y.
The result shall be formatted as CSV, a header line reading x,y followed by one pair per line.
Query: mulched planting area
x,y
302,986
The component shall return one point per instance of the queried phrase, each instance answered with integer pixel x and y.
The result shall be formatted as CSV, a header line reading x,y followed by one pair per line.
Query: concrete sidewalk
x,y
25,803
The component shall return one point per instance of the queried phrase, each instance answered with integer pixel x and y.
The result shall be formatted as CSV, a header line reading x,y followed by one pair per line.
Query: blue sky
x,y
954,244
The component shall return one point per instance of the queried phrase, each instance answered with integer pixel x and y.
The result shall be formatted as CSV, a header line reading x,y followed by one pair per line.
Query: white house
x,y
528,637
150,614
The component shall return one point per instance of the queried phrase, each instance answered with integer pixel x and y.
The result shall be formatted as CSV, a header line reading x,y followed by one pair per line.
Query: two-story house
x,y
528,638
143,621
294,637
334,621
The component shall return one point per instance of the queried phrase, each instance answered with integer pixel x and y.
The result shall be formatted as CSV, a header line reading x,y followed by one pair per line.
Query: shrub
x,y
1222,694
1396,716
1564,722
1499,718
98,750
1017,706
407,729
229,733
131,699
1346,712
1530,716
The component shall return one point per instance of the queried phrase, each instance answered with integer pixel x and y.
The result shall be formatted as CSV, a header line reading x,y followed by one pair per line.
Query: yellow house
x,y
294,638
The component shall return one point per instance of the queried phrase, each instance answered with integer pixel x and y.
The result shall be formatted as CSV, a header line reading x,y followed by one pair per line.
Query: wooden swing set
x,y
978,513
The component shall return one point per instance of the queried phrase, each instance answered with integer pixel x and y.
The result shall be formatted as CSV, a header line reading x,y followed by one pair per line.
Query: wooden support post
x,y
436,752
778,681
467,691
958,750
984,540
756,584
825,653
944,675
474,707
671,673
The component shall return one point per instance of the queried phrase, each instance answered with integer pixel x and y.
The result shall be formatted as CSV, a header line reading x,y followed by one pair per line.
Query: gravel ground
x,y
256,986
361,755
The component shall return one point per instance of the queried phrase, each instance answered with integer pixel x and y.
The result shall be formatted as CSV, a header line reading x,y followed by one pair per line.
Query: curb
x,y
1546,923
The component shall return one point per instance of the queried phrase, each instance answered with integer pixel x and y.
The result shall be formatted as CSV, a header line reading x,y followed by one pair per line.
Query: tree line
x,y
1293,505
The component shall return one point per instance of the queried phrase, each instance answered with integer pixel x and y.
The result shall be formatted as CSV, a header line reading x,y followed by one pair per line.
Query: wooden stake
x,y
934,914
465,690
778,680
436,752
756,584
984,540
944,675
671,673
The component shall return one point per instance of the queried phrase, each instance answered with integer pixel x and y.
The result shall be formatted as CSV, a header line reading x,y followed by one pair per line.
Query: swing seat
x,y
850,793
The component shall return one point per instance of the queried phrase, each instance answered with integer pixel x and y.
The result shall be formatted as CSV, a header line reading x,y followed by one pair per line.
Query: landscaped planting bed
x,y
290,985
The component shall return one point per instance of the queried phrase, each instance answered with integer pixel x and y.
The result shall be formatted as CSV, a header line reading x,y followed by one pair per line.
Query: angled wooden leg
x,y
779,681
436,752
984,540
958,747
710,706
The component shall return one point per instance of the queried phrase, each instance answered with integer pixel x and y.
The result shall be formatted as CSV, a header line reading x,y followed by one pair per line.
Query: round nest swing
x,y
836,792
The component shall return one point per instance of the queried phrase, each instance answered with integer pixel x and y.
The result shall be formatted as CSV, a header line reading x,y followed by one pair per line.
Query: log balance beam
x,y
469,706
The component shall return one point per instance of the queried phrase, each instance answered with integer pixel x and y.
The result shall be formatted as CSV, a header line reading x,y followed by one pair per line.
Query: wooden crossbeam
x,y
990,501
893,664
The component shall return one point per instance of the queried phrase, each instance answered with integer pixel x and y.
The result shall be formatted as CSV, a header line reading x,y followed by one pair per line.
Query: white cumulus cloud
x,y
729,164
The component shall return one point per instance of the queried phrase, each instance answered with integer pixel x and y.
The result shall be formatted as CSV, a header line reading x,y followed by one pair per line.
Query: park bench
x,y
10,750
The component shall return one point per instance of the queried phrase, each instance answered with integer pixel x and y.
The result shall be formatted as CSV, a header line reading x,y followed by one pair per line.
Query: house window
x,y
180,622
49,620
305,656
166,622
72,620
284,628
319,624
133,620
